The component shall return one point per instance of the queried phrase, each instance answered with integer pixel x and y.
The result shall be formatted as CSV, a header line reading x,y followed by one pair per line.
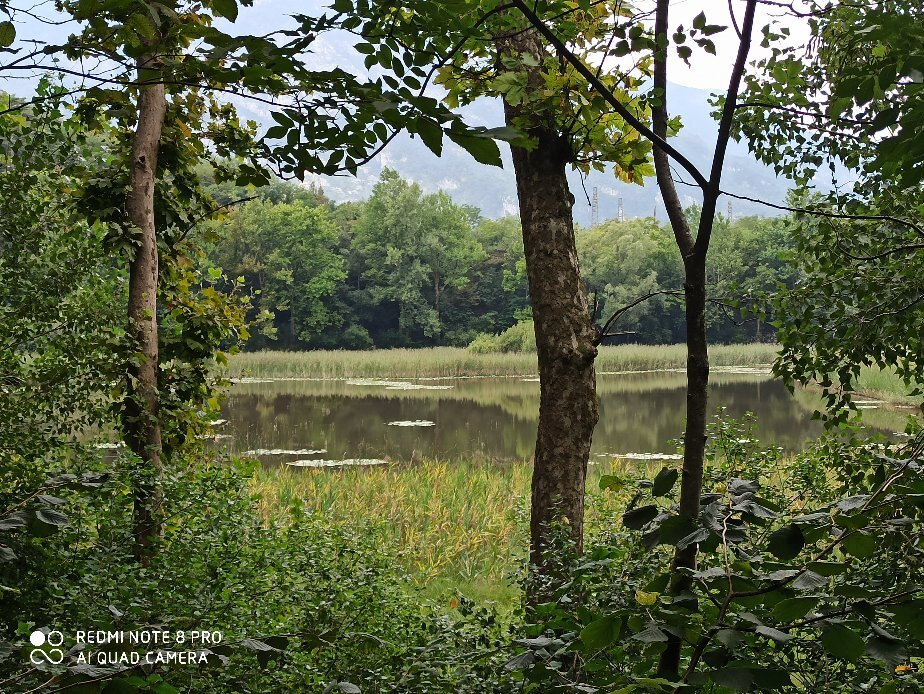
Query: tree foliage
x,y
852,100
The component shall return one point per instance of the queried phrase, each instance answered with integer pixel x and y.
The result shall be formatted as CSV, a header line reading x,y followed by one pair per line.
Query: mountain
x,y
493,190
489,188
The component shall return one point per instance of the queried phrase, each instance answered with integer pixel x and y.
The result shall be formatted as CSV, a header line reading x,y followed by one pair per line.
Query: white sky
x,y
713,71
706,71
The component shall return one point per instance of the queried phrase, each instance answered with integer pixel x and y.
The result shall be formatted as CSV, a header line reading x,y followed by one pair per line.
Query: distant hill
x,y
494,192
491,189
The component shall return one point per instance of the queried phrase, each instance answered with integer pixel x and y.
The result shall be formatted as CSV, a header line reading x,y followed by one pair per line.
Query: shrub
x,y
808,579
300,605
517,338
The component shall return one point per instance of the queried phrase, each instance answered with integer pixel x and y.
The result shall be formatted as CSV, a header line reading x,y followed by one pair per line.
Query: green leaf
x,y
787,542
225,8
120,686
828,568
51,517
888,651
653,634
809,580
483,149
736,679
697,535
601,632
664,481
7,34
843,642
793,608
613,482
860,545
343,688
772,633
744,679
431,134
675,528
639,517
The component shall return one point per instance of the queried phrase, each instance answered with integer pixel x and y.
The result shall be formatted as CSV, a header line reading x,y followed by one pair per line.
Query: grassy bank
x,y
884,385
456,361
459,525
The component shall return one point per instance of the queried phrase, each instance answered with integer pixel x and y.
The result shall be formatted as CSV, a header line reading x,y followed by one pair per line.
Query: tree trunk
x,y
436,305
141,420
565,335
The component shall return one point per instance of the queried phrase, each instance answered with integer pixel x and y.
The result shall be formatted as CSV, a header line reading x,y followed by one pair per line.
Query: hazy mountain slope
x,y
493,190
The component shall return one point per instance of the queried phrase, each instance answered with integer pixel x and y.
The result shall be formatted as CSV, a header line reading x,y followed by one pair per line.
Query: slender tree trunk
x,y
141,419
694,441
565,335
694,251
436,304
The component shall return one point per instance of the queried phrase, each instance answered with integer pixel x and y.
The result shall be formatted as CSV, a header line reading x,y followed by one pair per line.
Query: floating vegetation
x,y
249,379
413,423
763,369
285,451
641,456
757,369
346,462
394,385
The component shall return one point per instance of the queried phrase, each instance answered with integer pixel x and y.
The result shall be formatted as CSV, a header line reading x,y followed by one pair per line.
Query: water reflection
x,y
493,418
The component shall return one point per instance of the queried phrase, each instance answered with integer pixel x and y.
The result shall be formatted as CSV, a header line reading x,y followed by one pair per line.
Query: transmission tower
x,y
730,212
620,212
595,209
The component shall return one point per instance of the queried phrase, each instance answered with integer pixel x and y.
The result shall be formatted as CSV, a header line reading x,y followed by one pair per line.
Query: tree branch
x,y
582,69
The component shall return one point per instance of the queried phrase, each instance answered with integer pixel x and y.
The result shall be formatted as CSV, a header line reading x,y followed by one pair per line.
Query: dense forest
x,y
153,241
405,269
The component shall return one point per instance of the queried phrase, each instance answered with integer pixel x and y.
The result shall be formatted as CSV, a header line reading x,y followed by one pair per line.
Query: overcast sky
x,y
706,72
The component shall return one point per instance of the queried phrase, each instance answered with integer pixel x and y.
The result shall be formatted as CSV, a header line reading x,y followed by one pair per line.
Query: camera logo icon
x,y
53,655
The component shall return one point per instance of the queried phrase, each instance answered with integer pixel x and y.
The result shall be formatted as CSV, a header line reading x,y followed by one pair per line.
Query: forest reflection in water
x,y
492,418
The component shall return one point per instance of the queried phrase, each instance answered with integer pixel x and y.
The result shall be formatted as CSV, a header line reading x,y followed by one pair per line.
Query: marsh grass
x,y
882,384
453,525
447,362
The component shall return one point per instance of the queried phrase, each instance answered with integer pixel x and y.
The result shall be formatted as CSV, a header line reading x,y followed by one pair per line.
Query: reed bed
x,y
458,522
450,362
882,384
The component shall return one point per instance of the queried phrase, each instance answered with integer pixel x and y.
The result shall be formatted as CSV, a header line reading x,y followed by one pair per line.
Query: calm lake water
x,y
493,418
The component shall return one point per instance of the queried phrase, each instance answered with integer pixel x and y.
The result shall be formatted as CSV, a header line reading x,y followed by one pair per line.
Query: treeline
x,y
409,269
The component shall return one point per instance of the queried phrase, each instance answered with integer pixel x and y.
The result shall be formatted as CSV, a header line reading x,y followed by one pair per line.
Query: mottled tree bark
x,y
693,250
565,335
140,419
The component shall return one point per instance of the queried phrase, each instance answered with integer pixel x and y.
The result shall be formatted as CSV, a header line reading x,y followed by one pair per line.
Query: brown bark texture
x,y
565,334
141,421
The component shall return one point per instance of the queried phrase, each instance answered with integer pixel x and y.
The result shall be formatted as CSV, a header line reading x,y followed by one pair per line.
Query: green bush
x,y
300,605
517,338
808,579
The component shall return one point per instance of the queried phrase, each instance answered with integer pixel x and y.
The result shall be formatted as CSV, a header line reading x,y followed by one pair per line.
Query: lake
x,y
285,420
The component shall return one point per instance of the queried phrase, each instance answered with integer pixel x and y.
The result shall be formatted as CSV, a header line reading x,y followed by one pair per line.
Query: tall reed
x,y
447,362
458,521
